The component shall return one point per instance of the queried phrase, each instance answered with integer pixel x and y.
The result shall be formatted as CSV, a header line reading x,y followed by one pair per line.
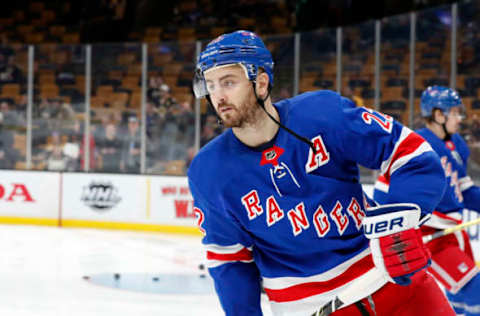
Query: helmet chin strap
x,y
447,135
261,102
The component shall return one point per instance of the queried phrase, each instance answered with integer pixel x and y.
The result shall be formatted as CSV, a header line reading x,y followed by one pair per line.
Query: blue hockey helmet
x,y
244,48
439,97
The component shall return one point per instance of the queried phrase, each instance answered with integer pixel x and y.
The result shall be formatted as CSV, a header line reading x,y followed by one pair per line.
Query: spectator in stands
x,y
66,74
210,130
91,158
99,132
72,138
185,118
154,91
130,161
110,149
152,120
11,114
9,72
49,108
8,154
475,128
56,160
166,100
21,106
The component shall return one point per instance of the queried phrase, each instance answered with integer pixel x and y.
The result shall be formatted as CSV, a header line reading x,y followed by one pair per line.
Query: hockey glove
x,y
395,240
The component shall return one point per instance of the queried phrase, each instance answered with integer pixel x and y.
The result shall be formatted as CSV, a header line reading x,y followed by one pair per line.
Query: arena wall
x,y
112,201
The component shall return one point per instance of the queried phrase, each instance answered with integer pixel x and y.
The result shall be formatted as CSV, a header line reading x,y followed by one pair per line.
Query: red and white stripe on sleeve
x,y
408,146
218,255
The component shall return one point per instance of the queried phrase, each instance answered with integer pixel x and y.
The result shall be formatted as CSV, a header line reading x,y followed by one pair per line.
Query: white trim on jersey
x,y
227,254
370,282
439,222
381,186
403,134
454,286
217,263
401,161
284,282
225,249
406,148
465,183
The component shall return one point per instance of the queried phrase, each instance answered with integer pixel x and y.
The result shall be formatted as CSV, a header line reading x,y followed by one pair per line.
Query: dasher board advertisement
x,y
29,194
104,197
171,201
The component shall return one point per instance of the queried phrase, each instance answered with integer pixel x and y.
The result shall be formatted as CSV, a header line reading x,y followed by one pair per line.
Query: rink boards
x,y
113,201
132,202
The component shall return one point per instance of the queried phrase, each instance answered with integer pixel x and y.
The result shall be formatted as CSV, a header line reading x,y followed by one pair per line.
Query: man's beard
x,y
240,116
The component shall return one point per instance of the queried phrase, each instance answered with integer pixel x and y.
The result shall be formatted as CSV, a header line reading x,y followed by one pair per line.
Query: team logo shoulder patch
x,y
320,157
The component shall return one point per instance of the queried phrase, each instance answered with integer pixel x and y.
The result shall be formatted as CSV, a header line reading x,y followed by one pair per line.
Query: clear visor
x,y
458,112
199,85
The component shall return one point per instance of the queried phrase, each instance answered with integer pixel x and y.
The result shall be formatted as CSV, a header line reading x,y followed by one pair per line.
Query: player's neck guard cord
x,y
261,102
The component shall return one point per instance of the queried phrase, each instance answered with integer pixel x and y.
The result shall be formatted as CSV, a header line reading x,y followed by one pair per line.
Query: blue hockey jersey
x,y
460,191
291,217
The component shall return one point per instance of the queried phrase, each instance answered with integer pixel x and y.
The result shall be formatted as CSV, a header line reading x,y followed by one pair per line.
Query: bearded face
x,y
232,95
240,114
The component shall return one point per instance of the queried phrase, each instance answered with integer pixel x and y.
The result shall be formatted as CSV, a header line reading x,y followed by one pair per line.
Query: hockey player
x,y
452,258
278,198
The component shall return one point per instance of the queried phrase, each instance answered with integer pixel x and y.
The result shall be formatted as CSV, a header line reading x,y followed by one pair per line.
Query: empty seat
x,y
10,89
104,90
393,105
118,100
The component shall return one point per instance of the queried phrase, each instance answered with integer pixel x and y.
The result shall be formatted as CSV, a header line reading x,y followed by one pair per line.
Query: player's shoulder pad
x,y
319,104
421,131
317,99
430,137
208,160
347,103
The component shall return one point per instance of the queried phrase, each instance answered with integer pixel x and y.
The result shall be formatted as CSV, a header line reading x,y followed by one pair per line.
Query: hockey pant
x,y
453,265
422,297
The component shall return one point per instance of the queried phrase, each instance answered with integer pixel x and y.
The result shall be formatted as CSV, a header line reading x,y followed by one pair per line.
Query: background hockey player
x,y
452,258
278,197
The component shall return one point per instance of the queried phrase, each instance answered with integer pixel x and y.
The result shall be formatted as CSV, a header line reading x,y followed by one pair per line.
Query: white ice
x,y
42,269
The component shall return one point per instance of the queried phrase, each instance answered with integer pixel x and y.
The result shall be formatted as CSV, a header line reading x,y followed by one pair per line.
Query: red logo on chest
x,y
271,156
450,145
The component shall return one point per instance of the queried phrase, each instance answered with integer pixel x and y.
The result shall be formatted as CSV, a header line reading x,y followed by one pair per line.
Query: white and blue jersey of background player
x,y
282,212
449,268
460,192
